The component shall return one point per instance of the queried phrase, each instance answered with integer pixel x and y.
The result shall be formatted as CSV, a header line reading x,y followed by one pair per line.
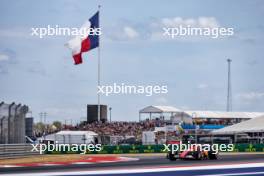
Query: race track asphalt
x,y
143,162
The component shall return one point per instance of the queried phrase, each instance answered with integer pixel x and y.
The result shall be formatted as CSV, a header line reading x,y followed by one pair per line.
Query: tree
x,y
39,127
57,124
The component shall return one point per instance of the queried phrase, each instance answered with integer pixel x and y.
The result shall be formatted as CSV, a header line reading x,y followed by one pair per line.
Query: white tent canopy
x,y
75,137
90,133
71,137
198,114
252,125
159,109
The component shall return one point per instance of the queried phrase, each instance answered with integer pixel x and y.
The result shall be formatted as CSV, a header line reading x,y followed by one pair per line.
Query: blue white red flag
x,y
86,41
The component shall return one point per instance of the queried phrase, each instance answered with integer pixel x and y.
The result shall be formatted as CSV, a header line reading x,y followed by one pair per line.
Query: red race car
x,y
196,153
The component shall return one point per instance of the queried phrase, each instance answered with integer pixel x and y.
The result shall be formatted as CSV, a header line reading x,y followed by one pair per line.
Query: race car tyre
x,y
197,155
171,157
212,156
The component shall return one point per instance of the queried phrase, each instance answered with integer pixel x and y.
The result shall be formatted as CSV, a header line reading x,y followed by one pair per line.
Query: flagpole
x,y
99,68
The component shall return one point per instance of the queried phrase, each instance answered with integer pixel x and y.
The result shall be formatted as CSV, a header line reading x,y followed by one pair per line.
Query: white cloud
x,y
161,101
153,29
7,59
251,96
125,32
130,32
202,86
16,33
157,26
209,22
3,57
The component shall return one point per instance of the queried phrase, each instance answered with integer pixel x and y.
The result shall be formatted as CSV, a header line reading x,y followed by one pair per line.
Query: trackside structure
x,y
12,123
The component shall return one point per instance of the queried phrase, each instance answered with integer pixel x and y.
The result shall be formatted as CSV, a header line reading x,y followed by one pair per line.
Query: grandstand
x,y
205,119
165,122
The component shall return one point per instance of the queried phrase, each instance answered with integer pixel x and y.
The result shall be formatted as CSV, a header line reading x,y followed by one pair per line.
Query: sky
x,y
40,72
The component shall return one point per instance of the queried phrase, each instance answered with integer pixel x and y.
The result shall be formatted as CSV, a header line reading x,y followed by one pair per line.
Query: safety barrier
x,y
23,150
16,150
158,149
249,148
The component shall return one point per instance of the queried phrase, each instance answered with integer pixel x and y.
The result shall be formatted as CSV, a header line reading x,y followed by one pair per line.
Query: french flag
x,y
85,42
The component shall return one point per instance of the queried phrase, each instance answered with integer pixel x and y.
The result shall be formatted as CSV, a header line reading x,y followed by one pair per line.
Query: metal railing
x,y
16,151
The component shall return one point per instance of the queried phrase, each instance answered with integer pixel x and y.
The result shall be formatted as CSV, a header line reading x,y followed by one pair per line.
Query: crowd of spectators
x,y
121,128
